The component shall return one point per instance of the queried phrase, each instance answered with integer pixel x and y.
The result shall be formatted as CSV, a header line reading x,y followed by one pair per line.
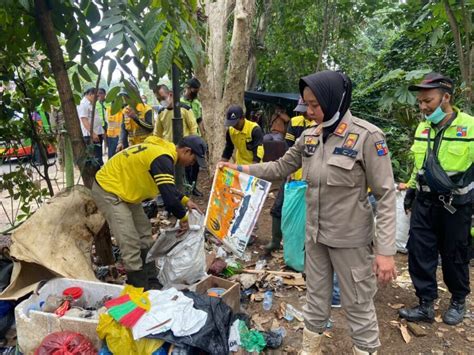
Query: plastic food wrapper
x,y
185,263
251,340
66,343
120,340
293,224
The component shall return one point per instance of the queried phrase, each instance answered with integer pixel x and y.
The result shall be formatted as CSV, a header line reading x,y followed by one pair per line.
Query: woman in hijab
x,y
341,157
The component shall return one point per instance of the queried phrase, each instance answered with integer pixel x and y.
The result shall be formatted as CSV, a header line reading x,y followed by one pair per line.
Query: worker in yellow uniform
x,y
137,173
441,188
114,124
243,135
137,124
164,122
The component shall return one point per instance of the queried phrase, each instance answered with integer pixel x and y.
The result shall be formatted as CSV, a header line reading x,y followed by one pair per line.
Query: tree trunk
x,y
224,86
324,39
464,54
257,44
55,53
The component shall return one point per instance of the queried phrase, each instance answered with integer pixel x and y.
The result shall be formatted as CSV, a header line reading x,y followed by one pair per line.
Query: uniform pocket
x,y
365,285
457,148
342,172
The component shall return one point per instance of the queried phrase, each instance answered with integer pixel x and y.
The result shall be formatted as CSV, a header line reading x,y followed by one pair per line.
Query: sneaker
x,y
455,313
335,304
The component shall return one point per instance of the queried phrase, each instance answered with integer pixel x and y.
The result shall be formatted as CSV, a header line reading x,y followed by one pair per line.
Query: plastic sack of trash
x,y
293,224
403,224
66,343
185,263
120,339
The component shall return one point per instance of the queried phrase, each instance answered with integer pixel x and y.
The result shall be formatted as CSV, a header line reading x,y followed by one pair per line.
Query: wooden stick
x,y
279,273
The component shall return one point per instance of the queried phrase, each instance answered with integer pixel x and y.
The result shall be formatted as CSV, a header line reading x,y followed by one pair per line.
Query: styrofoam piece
x,y
34,325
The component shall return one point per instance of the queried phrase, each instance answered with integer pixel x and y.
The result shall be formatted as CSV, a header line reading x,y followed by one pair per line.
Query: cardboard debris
x,y
247,280
416,329
260,320
396,305
405,334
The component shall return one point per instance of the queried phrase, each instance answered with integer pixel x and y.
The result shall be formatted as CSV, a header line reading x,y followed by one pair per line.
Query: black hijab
x,y
329,87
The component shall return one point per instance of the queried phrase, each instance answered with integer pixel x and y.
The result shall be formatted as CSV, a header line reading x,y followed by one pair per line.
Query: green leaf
x,y
111,69
112,29
123,66
152,38
76,82
112,94
92,68
114,42
132,92
416,74
84,73
110,21
132,46
404,96
25,4
165,56
189,51
116,105
92,14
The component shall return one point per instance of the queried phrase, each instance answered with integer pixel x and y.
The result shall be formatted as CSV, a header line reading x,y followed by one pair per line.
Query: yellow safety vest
x,y
127,173
241,139
114,123
136,133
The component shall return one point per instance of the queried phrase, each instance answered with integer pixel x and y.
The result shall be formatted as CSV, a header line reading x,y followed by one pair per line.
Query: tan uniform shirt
x,y
338,173
164,124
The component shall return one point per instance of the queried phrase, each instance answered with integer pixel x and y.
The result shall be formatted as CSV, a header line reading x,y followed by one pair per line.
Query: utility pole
x,y
177,122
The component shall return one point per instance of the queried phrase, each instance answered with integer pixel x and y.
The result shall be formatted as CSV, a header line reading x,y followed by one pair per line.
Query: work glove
x,y
409,199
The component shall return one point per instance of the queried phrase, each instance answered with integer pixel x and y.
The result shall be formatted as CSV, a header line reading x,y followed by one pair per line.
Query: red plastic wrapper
x,y
66,343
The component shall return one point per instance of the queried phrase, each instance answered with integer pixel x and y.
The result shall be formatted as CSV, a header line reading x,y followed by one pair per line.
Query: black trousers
x,y
277,207
192,173
433,231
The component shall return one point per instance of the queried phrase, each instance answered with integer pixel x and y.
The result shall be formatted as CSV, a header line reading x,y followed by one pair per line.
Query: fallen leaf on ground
x,y
395,323
275,324
460,330
439,334
396,305
438,319
441,329
299,326
405,334
470,338
328,335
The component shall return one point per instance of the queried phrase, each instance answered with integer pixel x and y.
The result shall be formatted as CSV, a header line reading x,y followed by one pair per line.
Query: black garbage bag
x,y
214,335
151,208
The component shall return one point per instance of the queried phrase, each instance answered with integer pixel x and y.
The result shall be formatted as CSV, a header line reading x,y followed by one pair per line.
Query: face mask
x,y
193,94
335,118
164,103
437,116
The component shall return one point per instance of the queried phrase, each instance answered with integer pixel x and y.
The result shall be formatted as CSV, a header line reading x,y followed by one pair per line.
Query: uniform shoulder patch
x,y
381,148
366,125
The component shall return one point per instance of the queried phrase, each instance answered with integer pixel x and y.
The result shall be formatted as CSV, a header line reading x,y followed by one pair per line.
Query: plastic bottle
x,y
289,315
267,300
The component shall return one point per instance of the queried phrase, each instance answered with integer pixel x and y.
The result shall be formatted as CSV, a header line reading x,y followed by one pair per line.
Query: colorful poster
x,y
234,206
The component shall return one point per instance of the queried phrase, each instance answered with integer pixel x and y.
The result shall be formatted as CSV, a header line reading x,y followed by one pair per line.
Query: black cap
x,y
434,81
193,83
233,115
301,107
198,147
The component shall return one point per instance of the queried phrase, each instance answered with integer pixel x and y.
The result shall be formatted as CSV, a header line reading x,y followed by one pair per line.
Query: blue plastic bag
x,y
293,224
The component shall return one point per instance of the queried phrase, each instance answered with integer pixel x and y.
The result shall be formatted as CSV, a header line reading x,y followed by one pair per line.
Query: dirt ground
x,y
440,338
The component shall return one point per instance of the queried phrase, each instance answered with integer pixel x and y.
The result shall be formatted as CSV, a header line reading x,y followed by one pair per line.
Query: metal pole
x,y
177,122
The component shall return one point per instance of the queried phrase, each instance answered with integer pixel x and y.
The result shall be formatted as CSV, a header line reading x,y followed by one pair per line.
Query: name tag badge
x,y
351,153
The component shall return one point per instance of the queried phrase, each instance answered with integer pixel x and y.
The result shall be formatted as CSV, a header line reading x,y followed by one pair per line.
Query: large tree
x,y
223,75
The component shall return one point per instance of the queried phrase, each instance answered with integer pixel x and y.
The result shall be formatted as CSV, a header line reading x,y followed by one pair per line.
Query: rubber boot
x,y
311,343
151,271
277,236
137,279
424,312
455,313
357,351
